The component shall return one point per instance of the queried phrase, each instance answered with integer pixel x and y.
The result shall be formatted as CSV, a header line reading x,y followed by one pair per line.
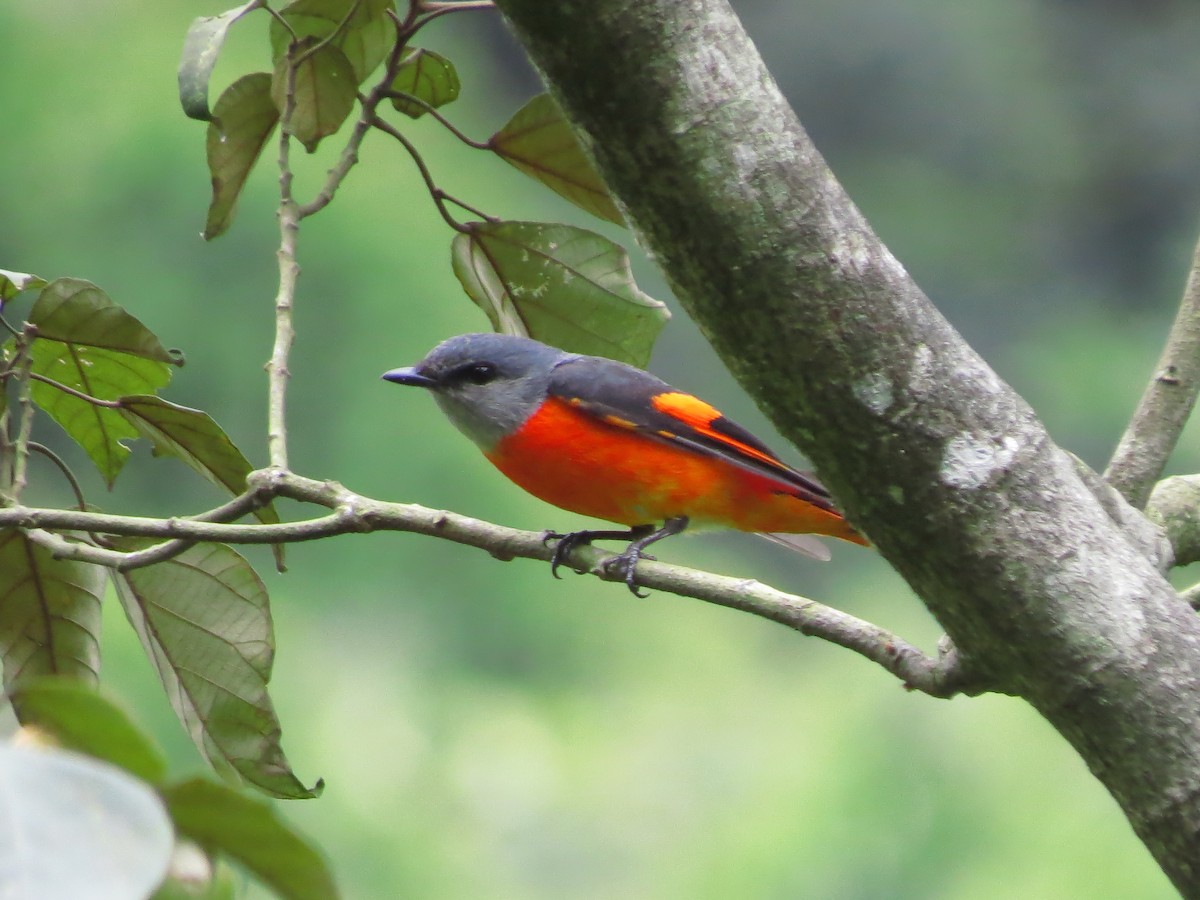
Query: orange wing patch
x,y
700,416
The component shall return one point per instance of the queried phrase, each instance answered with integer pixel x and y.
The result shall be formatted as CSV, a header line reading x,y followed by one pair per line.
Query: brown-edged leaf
x,y
77,312
561,285
204,621
244,118
49,613
201,47
427,76
539,141
325,89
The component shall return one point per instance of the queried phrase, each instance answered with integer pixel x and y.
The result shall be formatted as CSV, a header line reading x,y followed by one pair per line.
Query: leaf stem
x,y
80,395
446,123
58,461
439,196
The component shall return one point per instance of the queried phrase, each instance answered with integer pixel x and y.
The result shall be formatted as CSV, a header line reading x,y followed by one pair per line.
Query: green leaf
x,y
204,621
561,285
250,833
540,142
49,613
192,436
97,372
201,47
12,283
79,718
244,119
325,91
77,312
427,76
77,827
365,40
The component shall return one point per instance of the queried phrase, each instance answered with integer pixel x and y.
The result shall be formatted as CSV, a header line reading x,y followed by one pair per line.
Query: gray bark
x,y
1049,586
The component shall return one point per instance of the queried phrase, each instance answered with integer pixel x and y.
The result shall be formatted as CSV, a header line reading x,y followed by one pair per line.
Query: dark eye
x,y
479,373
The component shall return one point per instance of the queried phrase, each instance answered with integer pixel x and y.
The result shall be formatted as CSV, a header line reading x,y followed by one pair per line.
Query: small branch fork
x,y
942,676
1165,406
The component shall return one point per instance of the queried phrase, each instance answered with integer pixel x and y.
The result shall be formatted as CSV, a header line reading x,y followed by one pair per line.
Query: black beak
x,y
410,376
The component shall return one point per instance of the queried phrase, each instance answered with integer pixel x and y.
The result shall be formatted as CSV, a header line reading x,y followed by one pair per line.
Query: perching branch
x,y
1166,404
943,676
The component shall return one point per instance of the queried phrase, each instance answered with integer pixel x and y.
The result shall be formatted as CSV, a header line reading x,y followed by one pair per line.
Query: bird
x,y
605,439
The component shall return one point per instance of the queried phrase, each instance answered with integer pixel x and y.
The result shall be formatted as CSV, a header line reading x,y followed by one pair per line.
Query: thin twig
x,y
25,422
437,10
9,327
370,103
289,272
939,676
1166,404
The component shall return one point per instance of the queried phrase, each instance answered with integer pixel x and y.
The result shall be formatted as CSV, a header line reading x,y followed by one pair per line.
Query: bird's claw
x,y
566,543
625,565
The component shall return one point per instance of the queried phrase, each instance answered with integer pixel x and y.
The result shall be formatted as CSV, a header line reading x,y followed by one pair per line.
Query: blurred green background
x,y
486,731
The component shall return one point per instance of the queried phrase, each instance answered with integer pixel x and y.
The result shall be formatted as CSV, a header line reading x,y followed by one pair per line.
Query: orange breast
x,y
574,461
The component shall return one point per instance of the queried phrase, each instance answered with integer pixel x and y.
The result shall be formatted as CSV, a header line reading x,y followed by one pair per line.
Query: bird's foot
x,y
570,541
623,564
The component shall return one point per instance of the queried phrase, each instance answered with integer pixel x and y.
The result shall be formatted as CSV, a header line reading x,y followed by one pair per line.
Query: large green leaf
x,y
97,372
12,283
325,91
244,119
49,613
204,621
193,436
201,47
79,718
365,39
427,76
540,142
75,827
77,312
562,285
250,833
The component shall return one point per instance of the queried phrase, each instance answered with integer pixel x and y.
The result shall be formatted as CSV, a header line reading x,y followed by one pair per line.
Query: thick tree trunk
x,y
1049,585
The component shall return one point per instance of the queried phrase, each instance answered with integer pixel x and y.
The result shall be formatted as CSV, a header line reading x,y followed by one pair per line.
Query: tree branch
x,y
947,470
943,676
1166,404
